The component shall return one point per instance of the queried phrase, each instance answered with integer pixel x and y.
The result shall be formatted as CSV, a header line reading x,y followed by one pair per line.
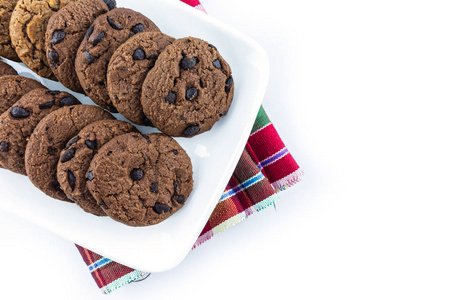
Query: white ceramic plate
x,y
214,155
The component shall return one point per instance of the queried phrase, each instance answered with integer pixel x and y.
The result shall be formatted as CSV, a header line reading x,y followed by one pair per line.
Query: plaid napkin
x,y
265,168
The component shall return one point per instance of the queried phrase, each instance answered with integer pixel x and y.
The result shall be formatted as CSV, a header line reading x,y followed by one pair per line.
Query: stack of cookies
x,y
125,64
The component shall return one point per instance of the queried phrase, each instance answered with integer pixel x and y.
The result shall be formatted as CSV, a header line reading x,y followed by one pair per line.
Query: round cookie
x,y
189,88
6,69
72,173
27,30
12,87
65,31
18,122
6,49
140,180
127,69
105,35
50,137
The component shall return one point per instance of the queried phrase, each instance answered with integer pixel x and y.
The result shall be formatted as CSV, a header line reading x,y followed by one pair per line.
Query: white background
x,y
359,92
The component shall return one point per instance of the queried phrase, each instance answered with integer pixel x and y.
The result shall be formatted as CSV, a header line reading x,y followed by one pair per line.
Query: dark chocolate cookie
x,y
189,89
50,137
18,122
12,87
27,30
127,69
140,180
105,35
65,31
6,69
72,173
6,49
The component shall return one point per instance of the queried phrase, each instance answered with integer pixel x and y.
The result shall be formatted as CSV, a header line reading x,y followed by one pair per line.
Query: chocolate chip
x,y
137,28
110,3
90,175
212,46
179,198
175,152
68,155
160,208
89,57
136,174
147,122
138,54
191,130
154,187
102,203
171,97
53,56
113,24
71,179
58,36
187,41
19,112
229,84
145,137
91,144
53,92
217,64
4,146
222,114
188,63
109,153
191,93
47,105
72,141
112,109
89,32
98,38
68,101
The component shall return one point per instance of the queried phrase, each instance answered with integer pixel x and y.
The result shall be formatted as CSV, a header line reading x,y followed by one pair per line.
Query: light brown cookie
x,y
27,30
6,49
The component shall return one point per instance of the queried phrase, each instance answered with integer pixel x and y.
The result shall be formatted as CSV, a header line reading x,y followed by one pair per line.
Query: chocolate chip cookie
x,y
18,122
76,157
12,87
6,69
105,35
50,137
189,89
27,30
140,180
6,49
127,69
65,31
